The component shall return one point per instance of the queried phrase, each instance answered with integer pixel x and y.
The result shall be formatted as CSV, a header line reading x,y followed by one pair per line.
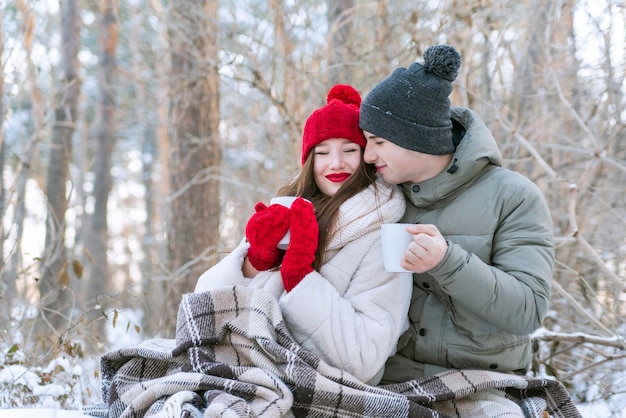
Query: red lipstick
x,y
338,177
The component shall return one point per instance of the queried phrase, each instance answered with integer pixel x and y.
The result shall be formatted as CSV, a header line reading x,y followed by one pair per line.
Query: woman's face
x,y
335,160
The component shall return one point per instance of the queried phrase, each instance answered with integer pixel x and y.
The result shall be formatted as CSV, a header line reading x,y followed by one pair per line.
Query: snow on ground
x,y
39,413
614,408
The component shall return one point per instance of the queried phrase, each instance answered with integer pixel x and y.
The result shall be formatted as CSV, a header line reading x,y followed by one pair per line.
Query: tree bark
x,y
7,287
96,238
28,156
55,279
340,53
195,153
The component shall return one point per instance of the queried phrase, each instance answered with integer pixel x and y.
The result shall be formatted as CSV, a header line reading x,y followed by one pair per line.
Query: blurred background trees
x,y
136,137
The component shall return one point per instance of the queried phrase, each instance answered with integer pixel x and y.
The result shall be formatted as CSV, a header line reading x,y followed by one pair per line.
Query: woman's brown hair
x,y
327,207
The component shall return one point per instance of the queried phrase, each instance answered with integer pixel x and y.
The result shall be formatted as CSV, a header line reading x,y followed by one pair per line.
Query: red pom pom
x,y
345,93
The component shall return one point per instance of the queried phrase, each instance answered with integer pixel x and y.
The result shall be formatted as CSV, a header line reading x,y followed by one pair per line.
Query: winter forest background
x,y
137,135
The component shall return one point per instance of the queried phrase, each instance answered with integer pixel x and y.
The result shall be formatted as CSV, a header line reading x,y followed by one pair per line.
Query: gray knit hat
x,y
411,107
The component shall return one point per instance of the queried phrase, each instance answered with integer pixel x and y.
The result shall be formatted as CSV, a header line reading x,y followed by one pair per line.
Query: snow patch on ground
x,y
40,413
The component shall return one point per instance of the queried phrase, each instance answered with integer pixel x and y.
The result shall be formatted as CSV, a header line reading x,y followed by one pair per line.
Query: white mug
x,y
285,201
395,240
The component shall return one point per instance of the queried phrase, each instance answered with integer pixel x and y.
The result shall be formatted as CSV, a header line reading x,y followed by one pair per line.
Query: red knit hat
x,y
339,118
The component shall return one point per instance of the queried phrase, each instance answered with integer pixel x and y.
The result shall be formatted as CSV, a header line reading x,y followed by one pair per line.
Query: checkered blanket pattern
x,y
234,357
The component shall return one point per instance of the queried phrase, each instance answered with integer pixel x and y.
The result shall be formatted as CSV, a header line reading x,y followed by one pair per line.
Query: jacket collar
x,y
477,149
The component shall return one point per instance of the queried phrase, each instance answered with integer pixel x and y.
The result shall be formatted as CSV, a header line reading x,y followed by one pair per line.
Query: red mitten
x,y
303,244
264,231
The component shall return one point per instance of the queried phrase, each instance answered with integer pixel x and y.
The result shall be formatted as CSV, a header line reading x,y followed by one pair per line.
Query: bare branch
x,y
581,338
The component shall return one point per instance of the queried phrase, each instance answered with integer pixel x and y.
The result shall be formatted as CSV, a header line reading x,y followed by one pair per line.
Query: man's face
x,y
395,164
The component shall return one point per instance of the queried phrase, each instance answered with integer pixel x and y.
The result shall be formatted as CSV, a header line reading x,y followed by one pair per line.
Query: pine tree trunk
x,y
339,55
55,279
195,153
96,238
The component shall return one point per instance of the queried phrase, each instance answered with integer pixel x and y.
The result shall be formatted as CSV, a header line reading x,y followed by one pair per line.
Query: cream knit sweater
x,y
352,312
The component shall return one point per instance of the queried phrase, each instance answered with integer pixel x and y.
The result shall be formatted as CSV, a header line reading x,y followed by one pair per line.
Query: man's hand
x,y
427,249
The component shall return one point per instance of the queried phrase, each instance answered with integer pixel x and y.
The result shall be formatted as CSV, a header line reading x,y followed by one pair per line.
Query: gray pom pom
x,y
443,61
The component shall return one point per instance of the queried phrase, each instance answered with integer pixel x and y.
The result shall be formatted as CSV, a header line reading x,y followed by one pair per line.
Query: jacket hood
x,y
476,150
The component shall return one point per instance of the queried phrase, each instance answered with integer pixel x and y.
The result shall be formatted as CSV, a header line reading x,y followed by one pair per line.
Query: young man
x,y
482,251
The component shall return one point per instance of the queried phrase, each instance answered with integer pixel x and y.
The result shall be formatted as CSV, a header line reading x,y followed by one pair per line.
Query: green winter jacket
x,y
492,289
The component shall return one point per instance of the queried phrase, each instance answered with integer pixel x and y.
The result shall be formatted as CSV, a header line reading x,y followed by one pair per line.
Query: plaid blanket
x,y
234,357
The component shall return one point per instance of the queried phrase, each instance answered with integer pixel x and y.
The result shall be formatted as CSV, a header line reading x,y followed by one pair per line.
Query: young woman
x,y
335,296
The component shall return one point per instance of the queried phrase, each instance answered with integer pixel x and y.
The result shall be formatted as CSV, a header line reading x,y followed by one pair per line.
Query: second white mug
x,y
395,240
